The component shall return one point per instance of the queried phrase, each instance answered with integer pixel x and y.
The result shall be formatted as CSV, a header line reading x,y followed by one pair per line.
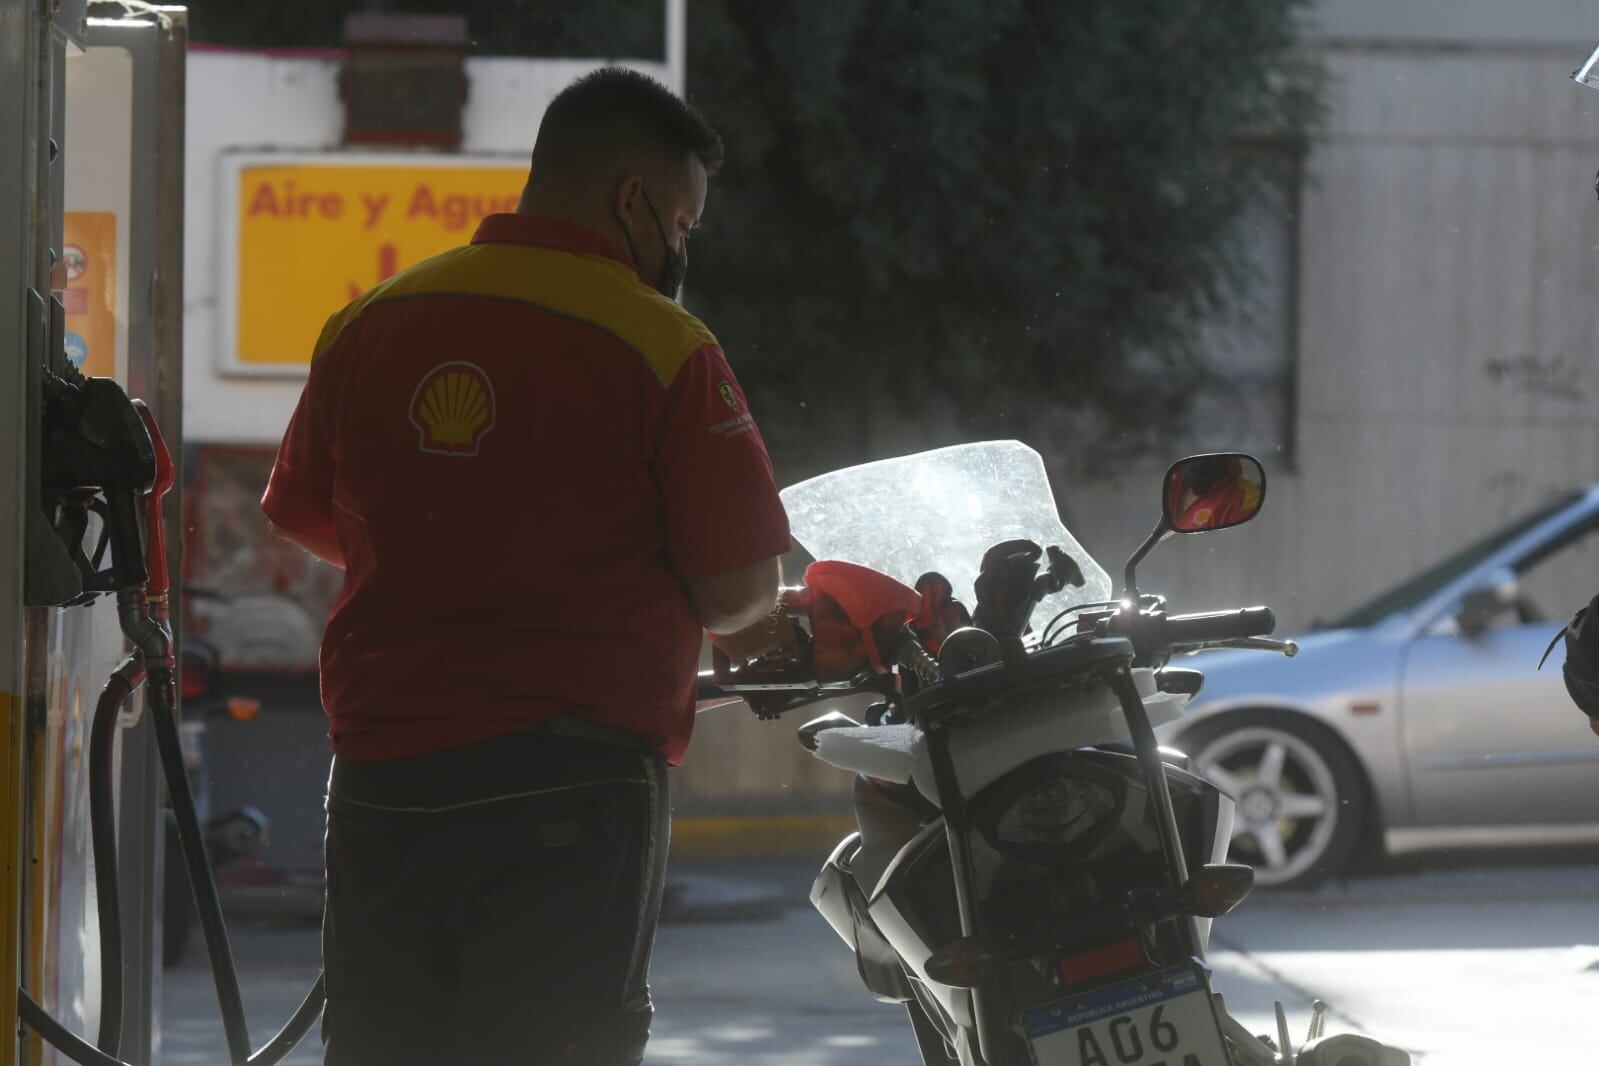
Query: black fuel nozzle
x,y
97,457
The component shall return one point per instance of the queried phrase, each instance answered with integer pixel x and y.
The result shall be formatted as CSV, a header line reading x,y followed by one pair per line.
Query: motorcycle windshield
x,y
940,510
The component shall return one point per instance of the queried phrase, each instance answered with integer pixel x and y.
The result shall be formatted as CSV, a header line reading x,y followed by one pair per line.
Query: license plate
x,y
1163,1019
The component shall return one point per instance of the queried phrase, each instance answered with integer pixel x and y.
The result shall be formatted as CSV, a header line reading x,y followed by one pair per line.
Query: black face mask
x,y
670,283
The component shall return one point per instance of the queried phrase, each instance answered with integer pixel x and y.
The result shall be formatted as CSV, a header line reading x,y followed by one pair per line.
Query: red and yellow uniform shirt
x,y
1225,497
521,448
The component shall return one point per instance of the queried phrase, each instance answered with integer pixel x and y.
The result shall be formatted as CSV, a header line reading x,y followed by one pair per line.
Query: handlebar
x,y
1182,629
1155,634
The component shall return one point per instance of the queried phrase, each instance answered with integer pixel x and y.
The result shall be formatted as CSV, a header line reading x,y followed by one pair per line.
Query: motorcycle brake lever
x,y
1283,647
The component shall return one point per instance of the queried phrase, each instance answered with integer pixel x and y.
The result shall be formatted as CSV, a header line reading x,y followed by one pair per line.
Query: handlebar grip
x,y
1220,625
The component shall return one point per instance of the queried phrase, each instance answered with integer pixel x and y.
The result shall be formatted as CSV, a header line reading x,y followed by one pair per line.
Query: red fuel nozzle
x,y
155,540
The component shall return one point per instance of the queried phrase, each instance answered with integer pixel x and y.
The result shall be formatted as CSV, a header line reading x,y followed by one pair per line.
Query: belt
x,y
577,727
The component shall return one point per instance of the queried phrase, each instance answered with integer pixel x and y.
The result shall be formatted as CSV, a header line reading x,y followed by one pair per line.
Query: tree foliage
x,y
1010,215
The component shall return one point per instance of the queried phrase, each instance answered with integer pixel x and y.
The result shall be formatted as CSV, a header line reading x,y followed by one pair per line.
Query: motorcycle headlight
x,y
1055,812
1056,807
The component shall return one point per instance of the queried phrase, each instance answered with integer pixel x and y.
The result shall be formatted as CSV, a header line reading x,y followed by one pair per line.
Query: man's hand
x,y
772,635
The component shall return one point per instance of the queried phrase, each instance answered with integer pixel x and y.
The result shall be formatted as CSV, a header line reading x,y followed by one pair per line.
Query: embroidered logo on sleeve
x,y
734,426
729,397
453,409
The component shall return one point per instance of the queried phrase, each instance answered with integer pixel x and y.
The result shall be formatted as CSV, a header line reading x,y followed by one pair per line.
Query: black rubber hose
x,y
162,699
103,824
59,1036
103,834
309,1011
81,1051
102,812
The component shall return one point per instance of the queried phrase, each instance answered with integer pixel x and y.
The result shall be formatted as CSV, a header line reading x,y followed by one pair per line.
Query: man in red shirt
x,y
544,484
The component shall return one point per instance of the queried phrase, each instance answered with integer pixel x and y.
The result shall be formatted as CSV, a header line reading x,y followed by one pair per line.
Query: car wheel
x,y
1300,795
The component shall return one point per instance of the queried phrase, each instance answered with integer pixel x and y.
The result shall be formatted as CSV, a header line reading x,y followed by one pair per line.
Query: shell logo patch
x,y
729,397
453,409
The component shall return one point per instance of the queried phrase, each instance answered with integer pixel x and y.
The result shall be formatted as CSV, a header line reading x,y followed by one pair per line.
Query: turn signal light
x,y
243,708
966,963
1218,888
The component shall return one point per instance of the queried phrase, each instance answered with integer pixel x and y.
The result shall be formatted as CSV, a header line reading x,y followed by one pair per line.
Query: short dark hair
x,y
614,112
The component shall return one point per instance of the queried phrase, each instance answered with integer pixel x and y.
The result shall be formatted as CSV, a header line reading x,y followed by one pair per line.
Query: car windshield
x,y
1419,588
940,510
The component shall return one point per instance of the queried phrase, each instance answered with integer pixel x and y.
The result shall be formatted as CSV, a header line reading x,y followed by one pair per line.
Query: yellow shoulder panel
x,y
590,288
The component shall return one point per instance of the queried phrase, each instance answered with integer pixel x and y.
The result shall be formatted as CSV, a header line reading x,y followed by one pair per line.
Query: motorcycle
x,y
1033,877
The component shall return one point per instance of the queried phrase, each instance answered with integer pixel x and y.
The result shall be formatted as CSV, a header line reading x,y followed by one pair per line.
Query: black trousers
x,y
494,903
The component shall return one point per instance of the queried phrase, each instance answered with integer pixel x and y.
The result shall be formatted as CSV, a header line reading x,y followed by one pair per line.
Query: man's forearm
x,y
730,602
325,548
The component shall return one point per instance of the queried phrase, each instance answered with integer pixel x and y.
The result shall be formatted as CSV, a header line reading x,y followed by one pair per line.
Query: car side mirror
x,y
1209,492
1485,603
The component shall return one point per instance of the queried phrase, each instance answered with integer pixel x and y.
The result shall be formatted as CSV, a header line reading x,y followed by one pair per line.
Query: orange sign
x,y
311,236
89,255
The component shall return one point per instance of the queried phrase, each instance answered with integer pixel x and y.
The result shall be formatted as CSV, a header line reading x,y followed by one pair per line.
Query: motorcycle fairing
x,y
913,904
988,748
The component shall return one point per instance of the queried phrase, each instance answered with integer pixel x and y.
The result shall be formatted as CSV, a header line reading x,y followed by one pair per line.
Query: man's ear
x,y
627,194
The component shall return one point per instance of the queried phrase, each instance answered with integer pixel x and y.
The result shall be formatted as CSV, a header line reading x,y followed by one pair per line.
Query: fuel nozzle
x,y
155,548
98,458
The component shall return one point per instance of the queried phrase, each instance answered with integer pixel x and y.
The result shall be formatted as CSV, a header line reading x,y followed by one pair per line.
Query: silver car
x,y
1420,719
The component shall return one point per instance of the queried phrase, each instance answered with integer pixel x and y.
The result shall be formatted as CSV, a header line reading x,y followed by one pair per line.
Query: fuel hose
x,y
142,611
103,831
103,836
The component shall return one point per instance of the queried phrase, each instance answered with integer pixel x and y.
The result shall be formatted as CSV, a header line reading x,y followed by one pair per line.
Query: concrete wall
x,y
1447,320
1449,316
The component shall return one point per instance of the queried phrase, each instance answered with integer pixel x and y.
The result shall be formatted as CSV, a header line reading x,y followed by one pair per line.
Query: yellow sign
x,y
89,255
313,236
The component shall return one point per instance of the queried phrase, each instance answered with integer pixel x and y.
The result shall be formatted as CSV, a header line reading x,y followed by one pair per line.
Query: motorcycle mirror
x,y
1202,493
1209,492
1217,888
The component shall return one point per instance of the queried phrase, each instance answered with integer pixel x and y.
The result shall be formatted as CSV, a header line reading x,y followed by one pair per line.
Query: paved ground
x,y
1467,963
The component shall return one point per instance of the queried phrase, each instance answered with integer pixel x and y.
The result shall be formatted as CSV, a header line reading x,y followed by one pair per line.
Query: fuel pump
x,y
103,458
83,473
